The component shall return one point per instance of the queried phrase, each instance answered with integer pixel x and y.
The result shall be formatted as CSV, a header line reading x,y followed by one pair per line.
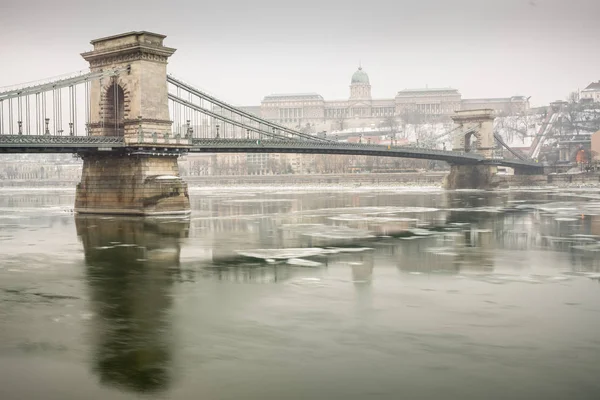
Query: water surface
x,y
287,293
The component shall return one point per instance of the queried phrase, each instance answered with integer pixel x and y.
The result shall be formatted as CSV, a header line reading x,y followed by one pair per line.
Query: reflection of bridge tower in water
x,y
129,271
143,179
362,266
469,249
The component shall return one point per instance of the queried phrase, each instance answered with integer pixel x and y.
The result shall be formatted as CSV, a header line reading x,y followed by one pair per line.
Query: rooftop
x,y
360,76
448,89
593,86
132,33
312,96
496,99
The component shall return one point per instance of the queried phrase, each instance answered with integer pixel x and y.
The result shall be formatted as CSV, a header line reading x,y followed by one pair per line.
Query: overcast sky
x,y
242,51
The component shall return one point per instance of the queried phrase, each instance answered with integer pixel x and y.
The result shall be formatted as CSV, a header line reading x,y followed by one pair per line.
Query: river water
x,y
292,293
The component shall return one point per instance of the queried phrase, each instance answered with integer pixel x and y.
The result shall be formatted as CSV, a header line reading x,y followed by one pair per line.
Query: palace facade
x,y
310,111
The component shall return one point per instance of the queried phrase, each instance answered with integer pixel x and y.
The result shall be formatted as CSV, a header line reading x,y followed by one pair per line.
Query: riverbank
x,y
554,180
349,180
433,178
386,180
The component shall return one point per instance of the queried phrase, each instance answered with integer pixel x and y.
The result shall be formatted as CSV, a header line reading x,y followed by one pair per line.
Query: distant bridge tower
x,y
143,178
475,135
477,128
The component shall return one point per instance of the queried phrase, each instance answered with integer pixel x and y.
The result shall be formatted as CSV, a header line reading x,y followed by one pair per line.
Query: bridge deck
x,y
82,144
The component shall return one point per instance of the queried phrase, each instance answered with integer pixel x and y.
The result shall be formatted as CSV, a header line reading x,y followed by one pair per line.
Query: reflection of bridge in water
x,y
131,265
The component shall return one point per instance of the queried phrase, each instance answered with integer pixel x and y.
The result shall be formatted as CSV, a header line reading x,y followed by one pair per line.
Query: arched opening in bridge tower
x,y
115,109
470,142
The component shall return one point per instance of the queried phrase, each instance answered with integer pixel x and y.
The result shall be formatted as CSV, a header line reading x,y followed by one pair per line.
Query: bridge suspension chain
x,y
51,107
204,122
226,120
241,113
62,83
514,152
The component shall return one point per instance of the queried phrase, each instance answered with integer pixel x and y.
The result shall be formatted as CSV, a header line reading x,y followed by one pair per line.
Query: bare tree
x,y
392,124
580,117
342,121
573,97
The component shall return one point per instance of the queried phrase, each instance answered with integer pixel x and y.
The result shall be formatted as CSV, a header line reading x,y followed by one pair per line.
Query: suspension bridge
x,y
129,121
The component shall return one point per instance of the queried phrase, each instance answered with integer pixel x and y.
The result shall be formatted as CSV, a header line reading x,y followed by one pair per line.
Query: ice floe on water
x,y
443,251
333,250
303,263
327,231
366,218
307,281
422,232
368,211
584,236
478,209
113,246
592,275
308,188
527,279
258,201
594,247
297,256
281,254
24,211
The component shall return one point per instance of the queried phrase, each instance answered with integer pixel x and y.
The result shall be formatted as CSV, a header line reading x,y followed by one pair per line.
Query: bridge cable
x,y
221,117
514,152
203,95
10,117
61,83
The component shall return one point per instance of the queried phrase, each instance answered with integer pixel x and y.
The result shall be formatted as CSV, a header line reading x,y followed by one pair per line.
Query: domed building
x,y
360,88
297,110
311,112
360,76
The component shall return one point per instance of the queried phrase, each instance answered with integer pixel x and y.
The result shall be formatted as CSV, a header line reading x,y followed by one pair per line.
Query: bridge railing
x,y
50,141
156,142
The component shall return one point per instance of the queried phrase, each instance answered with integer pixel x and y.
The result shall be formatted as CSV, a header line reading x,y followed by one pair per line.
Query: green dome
x,y
360,76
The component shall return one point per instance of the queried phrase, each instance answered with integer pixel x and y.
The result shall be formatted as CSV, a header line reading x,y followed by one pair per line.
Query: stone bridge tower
x,y
475,131
143,177
475,134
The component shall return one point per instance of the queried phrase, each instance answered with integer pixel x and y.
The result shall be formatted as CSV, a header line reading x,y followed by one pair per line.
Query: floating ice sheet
x,y
327,231
303,263
298,254
595,247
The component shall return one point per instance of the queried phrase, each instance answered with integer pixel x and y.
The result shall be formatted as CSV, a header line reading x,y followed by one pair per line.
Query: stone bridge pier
x,y
475,135
142,178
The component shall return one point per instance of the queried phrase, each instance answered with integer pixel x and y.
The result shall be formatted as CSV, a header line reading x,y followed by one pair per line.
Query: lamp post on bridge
x,y
190,131
217,126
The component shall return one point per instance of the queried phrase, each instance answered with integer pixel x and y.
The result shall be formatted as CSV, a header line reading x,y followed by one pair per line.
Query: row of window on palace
x,y
297,113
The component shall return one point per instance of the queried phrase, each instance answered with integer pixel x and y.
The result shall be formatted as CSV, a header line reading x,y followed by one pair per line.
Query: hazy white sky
x,y
242,51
